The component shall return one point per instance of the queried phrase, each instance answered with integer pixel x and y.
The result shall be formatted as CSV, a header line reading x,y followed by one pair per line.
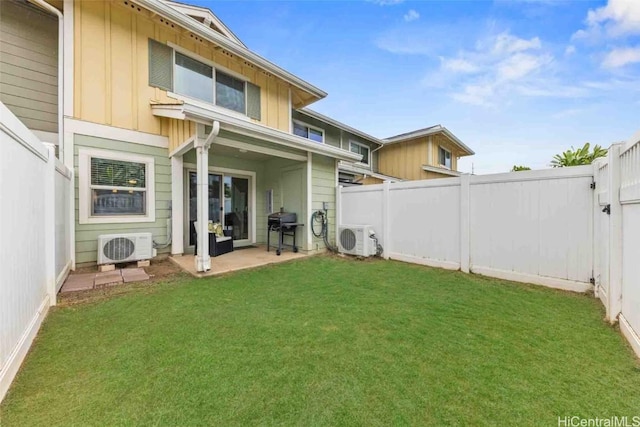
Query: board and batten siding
x,y
29,64
323,189
87,234
112,68
405,159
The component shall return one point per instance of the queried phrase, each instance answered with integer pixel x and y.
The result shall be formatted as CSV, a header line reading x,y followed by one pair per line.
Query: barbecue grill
x,y
285,224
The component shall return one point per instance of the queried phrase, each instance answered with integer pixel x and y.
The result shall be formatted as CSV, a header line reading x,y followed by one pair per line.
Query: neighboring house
x,y
323,129
427,153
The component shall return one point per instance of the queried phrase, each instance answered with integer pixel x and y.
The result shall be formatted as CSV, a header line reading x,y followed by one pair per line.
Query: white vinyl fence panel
x,y
533,226
28,200
424,222
62,223
363,206
630,212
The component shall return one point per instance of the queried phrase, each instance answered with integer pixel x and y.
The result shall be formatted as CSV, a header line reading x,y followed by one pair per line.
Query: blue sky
x,y
518,81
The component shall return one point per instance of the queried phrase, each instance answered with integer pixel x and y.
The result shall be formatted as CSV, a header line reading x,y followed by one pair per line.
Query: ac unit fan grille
x,y
348,239
119,248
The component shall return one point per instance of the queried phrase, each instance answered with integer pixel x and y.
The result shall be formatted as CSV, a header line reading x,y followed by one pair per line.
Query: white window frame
x,y
307,125
368,165
440,147
84,187
216,68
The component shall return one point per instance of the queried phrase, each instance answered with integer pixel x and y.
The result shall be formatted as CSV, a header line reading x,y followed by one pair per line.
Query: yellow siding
x,y
369,180
111,68
178,131
405,159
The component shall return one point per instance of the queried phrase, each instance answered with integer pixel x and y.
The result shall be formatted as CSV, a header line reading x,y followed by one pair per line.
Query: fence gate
x,y
601,233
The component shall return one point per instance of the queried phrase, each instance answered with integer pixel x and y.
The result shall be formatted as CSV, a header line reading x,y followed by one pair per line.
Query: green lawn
x,y
327,341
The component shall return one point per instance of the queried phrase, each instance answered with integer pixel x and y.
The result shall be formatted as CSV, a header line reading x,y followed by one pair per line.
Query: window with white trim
x,y
115,187
306,131
356,147
444,157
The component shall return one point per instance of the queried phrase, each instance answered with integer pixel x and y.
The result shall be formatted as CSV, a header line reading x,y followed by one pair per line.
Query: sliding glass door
x,y
228,205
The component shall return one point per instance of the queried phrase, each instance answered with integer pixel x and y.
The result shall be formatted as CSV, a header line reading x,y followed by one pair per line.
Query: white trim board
x,y
17,356
448,265
81,127
550,282
84,188
630,334
441,170
258,149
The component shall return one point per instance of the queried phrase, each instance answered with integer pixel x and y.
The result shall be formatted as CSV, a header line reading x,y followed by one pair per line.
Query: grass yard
x,y
327,341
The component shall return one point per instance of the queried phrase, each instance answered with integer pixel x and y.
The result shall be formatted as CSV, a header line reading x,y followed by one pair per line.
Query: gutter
x,y
47,7
231,46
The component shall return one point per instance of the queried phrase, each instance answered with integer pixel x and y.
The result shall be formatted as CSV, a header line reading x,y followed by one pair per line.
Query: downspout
x,y
46,6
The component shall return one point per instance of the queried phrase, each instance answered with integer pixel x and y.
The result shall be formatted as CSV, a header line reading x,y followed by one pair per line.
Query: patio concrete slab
x,y
134,275
239,259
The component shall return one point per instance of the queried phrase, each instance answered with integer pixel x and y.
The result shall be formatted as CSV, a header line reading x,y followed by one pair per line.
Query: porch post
x,y
177,206
202,144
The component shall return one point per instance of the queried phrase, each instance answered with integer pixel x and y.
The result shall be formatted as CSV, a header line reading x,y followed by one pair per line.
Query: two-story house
x,y
167,119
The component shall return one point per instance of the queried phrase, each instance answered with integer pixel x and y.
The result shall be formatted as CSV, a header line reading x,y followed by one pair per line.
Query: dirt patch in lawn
x,y
159,271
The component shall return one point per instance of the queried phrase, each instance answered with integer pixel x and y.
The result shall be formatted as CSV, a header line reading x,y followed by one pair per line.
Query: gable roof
x,y
206,17
163,9
432,130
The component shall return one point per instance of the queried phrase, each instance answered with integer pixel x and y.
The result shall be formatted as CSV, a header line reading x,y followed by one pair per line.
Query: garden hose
x,y
321,217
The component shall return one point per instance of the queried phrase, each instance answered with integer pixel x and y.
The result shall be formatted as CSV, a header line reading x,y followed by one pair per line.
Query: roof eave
x,y
246,127
431,131
340,125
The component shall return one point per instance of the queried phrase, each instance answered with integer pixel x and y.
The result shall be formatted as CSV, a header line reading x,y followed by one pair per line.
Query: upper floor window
x,y
444,157
177,70
309,132
193,78
356,147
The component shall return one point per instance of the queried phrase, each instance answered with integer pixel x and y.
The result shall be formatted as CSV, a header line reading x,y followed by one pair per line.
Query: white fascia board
x,y
200,114
213,36
340,125
443,171
430,131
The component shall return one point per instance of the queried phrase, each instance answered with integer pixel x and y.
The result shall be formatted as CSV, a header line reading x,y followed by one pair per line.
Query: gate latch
x,y
607,209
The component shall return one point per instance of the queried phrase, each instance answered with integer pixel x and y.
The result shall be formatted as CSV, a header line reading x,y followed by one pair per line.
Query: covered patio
x,y
240,259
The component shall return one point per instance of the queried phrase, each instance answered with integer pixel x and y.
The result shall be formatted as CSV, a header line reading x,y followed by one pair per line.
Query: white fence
x,y
34,246
617,230
546,227
533,226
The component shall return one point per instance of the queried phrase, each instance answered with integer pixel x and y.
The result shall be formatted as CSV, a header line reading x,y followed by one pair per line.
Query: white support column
x,y
309,200
465,181
177,206
386,222
202,144
50,226
615,235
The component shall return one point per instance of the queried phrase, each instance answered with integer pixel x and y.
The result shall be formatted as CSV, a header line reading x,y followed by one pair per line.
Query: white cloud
x,y
520,65
621,57
507,43
570,50
618,18
386,2
499,65
459,65
412,15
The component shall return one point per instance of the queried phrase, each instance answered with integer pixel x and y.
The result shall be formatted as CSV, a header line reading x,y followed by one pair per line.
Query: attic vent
x,y
196,38
133,6
167,23
229,54
119,248
248,64
348,239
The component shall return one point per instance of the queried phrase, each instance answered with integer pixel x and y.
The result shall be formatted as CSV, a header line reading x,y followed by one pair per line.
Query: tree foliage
x,y
517,168
581,156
